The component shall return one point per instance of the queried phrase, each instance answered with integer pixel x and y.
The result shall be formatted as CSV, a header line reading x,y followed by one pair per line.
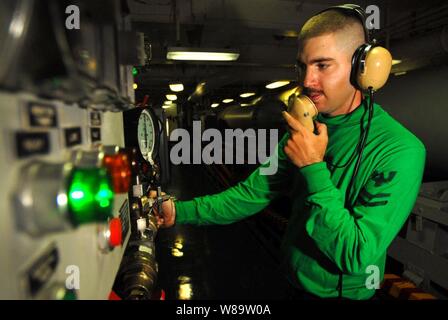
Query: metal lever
x,y
159,201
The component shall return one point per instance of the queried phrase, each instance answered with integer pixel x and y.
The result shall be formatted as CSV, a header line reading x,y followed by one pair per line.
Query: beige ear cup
x,y
303,109
378,63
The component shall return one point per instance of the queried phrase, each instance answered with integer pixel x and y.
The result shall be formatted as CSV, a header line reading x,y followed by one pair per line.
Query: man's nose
x,y
310,78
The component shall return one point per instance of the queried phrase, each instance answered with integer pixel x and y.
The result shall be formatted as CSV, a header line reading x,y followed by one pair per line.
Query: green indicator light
x,y
77,194
90,195
134,71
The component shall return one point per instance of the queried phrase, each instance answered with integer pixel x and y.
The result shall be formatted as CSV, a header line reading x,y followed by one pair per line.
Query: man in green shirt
x,y
334,240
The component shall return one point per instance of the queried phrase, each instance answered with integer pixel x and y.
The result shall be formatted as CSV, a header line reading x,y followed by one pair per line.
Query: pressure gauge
x,y
142,130
146,131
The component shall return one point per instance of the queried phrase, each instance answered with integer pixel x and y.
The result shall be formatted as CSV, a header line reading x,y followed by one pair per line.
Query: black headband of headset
x,y
356,11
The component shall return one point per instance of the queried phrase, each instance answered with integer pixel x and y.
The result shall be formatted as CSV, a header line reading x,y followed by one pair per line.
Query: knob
x,y
87,158
41,198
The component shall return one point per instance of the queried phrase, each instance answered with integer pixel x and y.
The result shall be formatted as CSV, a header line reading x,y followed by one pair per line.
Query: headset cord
x,y
362,145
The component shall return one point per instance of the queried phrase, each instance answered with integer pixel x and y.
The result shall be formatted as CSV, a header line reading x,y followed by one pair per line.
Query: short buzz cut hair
x,y
333,21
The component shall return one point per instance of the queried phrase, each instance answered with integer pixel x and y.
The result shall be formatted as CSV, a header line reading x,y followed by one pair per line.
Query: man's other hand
x,y
167,218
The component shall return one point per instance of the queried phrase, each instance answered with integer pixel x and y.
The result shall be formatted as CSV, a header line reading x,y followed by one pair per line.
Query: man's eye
x,y
322,66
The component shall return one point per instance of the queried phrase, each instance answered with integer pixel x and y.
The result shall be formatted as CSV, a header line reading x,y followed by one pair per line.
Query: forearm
x,y
223,208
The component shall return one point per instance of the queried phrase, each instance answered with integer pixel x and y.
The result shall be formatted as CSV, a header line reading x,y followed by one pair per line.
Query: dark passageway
x,y
216,262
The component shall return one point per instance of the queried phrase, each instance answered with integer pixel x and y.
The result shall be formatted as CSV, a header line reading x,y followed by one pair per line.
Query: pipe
x,y
137,276
418,52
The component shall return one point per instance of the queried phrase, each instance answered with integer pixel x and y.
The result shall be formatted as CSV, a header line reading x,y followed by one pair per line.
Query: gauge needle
x,y
146,136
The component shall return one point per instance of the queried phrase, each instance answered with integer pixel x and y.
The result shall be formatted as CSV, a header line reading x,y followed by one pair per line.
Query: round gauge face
x,y
146,135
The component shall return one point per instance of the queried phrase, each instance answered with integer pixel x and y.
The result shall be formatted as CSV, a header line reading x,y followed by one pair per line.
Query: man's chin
x,y
321,107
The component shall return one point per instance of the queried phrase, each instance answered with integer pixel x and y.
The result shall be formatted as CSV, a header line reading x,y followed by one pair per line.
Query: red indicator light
x,y
115,238
119,168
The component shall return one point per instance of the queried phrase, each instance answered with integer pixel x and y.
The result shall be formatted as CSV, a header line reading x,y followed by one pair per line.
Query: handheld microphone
x,y
303,109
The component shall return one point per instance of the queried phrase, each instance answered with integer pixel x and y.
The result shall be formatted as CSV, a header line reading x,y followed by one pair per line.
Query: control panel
x,y
71,190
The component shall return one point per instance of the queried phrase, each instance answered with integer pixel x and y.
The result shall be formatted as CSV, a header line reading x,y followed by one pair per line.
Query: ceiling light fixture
x,y
201,54
176,87
247,94
277,84
227,100
171,97
168,105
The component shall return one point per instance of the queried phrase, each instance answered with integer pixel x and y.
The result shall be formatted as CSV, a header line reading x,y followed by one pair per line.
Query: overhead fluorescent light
x,y
247,94
277,84
171,97
245,104
214,105
168,102
168,105
400,73
394,62
176,87
201,54
227,100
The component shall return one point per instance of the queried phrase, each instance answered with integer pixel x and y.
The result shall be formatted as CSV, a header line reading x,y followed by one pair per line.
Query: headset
x,y
370,69
371,64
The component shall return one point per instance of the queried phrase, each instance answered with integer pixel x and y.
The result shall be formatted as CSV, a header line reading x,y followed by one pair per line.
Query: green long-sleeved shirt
x,y
324,237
